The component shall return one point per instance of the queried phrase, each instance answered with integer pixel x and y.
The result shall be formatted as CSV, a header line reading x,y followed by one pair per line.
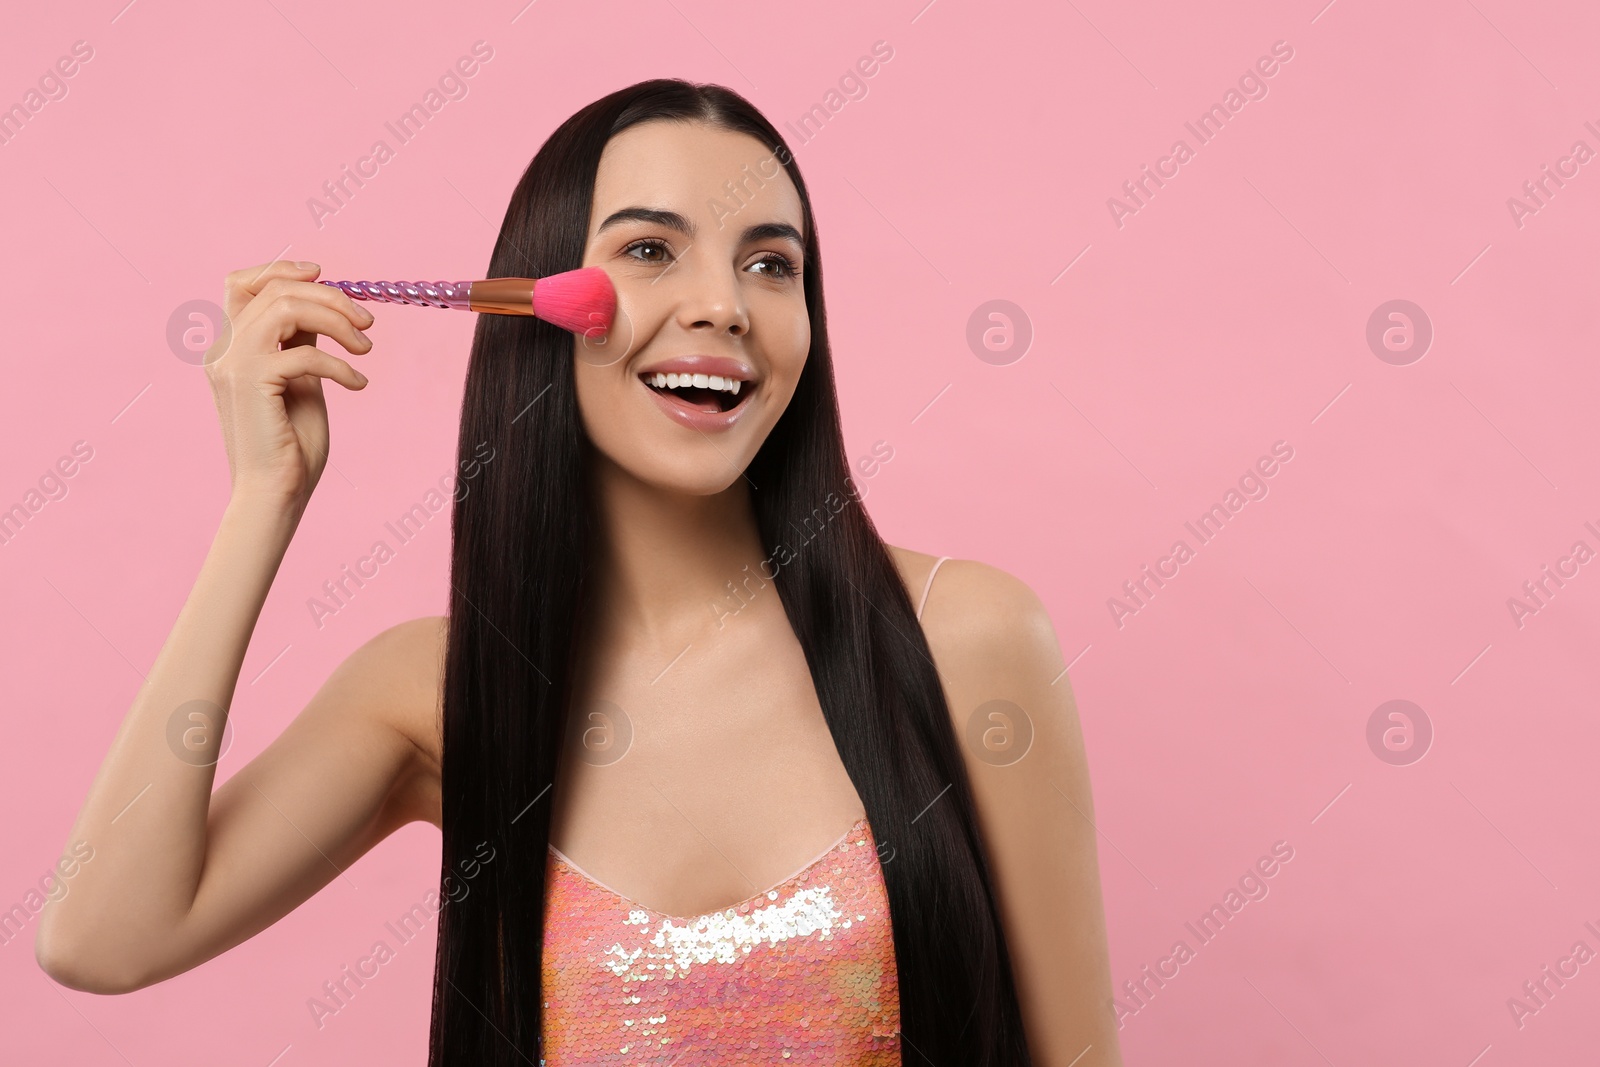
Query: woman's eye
x,y
647,246
780,266
652,250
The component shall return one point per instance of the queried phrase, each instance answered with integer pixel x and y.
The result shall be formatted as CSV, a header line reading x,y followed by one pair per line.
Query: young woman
x,y
679,661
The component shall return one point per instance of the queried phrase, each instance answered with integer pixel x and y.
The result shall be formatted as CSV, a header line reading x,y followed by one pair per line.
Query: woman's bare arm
x,y
1005,679
178,875
184,874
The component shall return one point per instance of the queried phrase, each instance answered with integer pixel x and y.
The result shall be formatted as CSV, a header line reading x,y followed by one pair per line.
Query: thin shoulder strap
x,y
929,585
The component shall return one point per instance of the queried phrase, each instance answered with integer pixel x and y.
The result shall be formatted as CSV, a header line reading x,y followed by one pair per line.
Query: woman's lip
x,y
694,418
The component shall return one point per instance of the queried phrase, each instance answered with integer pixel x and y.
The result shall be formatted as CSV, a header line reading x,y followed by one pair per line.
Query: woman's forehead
x,y
694,169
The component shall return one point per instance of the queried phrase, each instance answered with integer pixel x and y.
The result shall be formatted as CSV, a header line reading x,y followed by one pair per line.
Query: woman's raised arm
x,y
174,874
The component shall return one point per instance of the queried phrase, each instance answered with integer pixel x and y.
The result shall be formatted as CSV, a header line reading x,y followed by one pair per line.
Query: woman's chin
x,y
697,482
689,474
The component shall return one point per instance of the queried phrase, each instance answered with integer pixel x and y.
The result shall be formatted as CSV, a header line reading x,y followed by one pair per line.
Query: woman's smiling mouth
x,y
705,393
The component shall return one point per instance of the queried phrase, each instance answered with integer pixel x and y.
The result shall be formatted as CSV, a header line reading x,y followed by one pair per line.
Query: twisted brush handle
x,y
424,294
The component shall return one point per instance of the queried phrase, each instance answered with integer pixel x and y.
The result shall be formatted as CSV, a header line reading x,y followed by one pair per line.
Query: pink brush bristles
x,y
582,300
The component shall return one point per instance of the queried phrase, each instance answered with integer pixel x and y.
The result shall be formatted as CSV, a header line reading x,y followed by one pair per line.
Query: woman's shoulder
x,y
968,600
989,633
406,661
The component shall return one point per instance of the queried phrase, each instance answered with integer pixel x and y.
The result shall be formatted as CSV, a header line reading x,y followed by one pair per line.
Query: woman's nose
x,y
710,298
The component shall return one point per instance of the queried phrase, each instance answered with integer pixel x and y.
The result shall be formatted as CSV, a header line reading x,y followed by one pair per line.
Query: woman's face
x,y
700,230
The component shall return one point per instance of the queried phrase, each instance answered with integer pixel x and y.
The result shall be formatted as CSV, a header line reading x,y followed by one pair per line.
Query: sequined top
x,y
803,973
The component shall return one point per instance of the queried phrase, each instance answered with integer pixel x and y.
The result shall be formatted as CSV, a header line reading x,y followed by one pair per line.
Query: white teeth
x,y
696,381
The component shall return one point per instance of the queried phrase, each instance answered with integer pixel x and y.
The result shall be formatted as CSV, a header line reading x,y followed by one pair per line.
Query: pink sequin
x,y
802,973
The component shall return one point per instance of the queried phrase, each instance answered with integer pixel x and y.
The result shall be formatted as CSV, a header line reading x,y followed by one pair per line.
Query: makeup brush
x,y
582,300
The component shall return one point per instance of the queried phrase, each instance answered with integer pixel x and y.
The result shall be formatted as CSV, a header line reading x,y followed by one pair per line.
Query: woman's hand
x,y
274,417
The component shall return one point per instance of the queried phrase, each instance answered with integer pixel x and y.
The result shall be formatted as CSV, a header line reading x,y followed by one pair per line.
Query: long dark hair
x,y
521,567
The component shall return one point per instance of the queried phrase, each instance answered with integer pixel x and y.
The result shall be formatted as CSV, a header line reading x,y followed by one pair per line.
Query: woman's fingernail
x,y
305,265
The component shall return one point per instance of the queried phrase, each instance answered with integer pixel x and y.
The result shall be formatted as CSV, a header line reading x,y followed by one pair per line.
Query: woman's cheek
x,y
638,316
798,346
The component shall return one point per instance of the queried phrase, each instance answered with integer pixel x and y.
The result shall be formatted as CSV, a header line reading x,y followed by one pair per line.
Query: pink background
x,y
1228,313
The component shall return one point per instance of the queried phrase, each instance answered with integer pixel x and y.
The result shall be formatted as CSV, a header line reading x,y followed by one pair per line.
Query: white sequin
x,y
724,936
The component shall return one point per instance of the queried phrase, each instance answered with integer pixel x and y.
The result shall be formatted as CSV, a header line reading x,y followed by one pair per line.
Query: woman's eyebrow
x,y
771,230
671,220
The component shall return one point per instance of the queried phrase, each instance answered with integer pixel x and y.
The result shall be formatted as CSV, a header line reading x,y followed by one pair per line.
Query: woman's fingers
x,y
241,286
277,323
266,378
294,362
268,282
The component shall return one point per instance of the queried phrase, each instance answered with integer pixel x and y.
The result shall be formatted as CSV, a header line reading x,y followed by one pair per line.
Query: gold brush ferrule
x,y
502,296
